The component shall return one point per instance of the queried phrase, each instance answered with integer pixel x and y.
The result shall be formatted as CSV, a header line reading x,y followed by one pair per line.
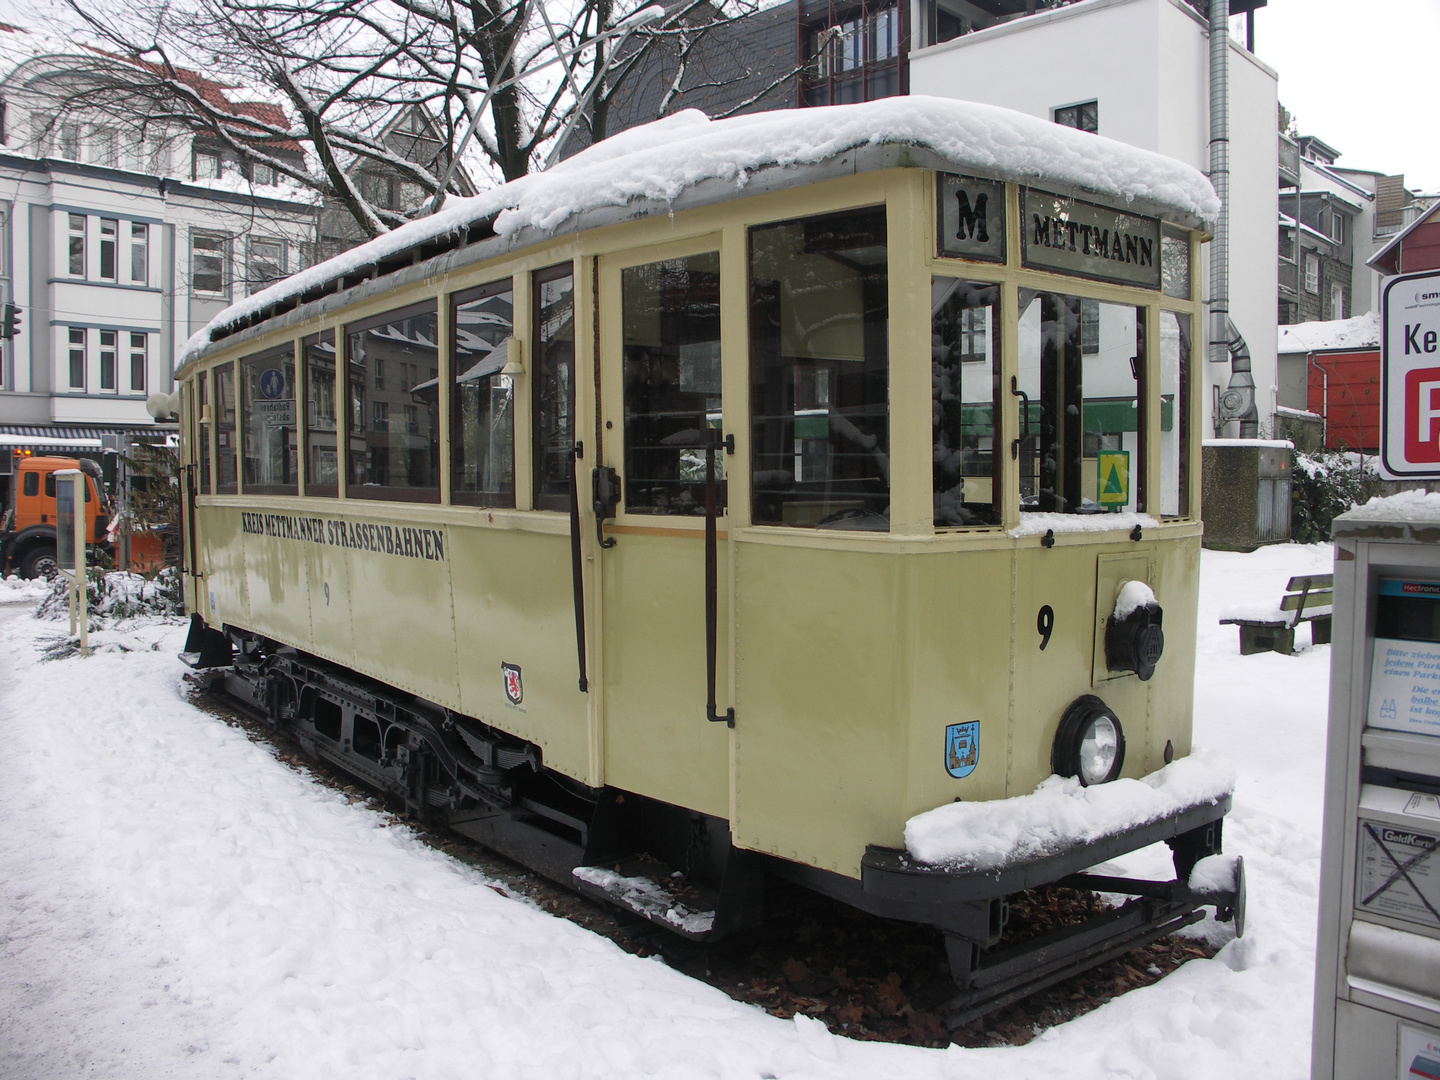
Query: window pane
x,y
554,390
964,373
77,358
1175,262
202,439
672,381
482,428
209,258
267,389
139,254
322,470
819,357
1083,417
1174,414
107,359
386,460
225,425
267,263
138,354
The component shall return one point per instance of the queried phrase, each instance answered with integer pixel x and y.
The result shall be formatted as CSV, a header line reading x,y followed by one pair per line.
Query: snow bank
x,y
1361,332
1405,506
1269,444
1040,524
1134,594
1060,814
661,160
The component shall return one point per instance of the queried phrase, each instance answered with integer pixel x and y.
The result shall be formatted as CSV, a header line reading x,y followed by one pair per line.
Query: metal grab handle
x,y
711,586
1024,417
577,576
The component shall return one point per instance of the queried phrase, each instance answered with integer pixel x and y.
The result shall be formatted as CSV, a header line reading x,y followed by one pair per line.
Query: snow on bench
x,y
1061,814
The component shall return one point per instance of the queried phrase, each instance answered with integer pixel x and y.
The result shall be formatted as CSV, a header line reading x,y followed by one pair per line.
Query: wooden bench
x,y
1309,597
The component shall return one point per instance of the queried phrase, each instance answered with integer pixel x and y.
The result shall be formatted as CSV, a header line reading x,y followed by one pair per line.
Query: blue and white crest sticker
x,y
962,748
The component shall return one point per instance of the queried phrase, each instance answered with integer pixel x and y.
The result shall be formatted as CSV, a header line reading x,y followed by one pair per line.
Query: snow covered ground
x,y
174,902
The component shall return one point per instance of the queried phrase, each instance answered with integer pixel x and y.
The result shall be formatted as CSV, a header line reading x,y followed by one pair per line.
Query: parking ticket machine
x,y
1377,988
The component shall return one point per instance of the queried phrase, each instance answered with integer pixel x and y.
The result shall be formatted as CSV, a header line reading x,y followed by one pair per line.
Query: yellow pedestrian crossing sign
x,y
1113,489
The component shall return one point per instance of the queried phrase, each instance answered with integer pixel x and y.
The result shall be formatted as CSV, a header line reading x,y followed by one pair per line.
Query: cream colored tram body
x,y
447,515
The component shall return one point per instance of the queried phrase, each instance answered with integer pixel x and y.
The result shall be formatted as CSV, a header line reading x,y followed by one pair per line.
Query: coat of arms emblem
x,y
962,748
514,689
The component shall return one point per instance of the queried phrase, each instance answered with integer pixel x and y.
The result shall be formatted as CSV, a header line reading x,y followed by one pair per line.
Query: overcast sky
x,y
1360,74
1363,75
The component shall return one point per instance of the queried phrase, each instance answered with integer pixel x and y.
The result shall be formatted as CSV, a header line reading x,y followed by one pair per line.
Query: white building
x,y
1138,71
121,237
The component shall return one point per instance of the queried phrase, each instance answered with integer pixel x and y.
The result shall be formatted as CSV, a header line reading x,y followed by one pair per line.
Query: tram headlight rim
x,y
1081,736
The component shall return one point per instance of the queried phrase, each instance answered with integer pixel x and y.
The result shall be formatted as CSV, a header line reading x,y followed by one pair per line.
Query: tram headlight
x,y
1089,744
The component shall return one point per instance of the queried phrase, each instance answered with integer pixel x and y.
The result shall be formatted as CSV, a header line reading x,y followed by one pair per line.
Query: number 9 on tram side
x,y
699,512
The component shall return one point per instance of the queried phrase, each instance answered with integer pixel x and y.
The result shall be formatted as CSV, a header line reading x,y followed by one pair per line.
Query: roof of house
x,y
1361,332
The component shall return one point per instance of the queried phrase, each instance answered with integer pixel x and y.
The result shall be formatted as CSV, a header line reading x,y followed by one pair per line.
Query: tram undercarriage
x,y
677,868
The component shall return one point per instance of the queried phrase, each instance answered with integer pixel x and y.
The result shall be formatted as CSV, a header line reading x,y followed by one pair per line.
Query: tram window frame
x,y
1064,461
658,403
781,383
202,429
226,431
550,491
313,399
356,428
284,356
1180,414
945,444
505,496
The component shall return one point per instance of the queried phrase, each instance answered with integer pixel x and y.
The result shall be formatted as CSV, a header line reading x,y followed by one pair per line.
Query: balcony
x,y
1288,276
1289,162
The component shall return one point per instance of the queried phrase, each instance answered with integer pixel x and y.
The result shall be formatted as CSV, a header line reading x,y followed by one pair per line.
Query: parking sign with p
x,y
1410,372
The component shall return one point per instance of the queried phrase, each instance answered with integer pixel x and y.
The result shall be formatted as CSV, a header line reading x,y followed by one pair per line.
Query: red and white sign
x,y
1410,376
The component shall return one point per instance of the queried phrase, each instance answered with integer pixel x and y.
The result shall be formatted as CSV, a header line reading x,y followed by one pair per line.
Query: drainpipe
x,y
1237,402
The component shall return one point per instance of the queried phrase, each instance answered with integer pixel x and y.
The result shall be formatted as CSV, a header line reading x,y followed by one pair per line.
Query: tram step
x,y
651,891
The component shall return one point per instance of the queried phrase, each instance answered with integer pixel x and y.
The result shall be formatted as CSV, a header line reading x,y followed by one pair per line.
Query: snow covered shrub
x,y
114,596
1324,484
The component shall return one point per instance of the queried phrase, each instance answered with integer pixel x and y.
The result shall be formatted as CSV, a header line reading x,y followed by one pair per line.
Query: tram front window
x,y
820,372
964,373
672,381
1081,426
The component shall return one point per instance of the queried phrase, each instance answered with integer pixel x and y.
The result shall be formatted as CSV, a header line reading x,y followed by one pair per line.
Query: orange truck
x,y
27,535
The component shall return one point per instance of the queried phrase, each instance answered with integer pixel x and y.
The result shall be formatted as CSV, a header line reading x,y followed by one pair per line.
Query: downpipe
x,y
1237,401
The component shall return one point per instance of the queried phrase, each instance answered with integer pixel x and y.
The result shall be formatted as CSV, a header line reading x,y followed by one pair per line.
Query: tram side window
x,y
1174,414
393,428
322,469
1082,435
202,430
553,389
820,371
964,381
672,381
267,403
225,427
482,414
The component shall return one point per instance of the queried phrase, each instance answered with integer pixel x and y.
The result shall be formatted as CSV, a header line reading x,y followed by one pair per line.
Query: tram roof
x,y
689,160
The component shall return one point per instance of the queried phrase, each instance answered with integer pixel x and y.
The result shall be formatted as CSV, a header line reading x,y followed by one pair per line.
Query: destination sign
x,y
1069,236
971,218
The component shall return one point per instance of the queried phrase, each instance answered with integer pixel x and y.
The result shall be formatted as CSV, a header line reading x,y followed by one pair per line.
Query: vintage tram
x,y
716,503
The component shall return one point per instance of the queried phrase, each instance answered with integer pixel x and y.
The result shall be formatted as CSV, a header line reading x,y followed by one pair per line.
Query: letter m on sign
x,y
1422,415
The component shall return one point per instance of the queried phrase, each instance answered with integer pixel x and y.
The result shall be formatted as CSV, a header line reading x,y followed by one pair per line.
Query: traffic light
x,y
10,326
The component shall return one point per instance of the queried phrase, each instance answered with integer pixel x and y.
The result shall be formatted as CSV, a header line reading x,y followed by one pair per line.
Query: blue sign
x,y
272,384
962,749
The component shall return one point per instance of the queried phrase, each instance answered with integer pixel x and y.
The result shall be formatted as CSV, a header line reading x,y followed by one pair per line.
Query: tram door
x,y
661,406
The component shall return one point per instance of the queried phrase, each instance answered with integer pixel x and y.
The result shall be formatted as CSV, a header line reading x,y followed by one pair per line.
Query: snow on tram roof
x,y
661,161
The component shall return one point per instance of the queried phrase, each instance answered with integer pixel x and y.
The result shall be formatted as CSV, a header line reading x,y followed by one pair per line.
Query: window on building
x,y
1337,226
1312,272
209,262
77,245
964,381
139,354
109,242
482,419
77,358
1337,300
267,406
139,253
387,461
205,164
100,147
379,189
553,397
1085,116
266,265
107,359
820,372
854,56
672,382
67,145
262,175
322,472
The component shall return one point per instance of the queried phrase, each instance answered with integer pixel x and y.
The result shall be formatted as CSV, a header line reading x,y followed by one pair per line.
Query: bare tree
x,y
501,82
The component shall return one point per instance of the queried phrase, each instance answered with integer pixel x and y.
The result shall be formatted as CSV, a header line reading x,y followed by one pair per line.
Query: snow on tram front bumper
x,y
962,860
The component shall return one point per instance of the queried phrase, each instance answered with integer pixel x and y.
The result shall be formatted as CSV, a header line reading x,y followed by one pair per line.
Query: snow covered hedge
x,y
1324,484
